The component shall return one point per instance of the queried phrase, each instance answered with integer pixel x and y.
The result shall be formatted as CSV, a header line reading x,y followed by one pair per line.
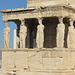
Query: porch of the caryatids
x,y
23,34
60,33
6,35
40,34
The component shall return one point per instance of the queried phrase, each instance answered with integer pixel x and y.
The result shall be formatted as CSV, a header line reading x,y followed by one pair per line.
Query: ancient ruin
x,y
45,43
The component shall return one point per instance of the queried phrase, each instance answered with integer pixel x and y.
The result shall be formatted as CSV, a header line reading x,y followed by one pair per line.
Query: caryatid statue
x,y
23,34
40,34
60,33
71,33
6,35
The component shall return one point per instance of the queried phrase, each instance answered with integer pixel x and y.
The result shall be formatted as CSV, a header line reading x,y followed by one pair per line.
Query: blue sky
x,y
9,4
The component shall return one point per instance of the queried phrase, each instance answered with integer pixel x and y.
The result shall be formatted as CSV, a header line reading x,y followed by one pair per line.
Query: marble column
x,y
14,42
23,34
60,33
40,34
6,35
71,35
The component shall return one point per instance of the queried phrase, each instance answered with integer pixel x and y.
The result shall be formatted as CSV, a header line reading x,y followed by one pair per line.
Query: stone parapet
x,y
45,61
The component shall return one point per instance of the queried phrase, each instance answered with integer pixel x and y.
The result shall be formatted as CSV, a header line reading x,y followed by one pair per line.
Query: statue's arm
x,y
9,29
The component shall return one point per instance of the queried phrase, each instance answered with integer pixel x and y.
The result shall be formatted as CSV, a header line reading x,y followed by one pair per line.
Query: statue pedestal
x,y
45,61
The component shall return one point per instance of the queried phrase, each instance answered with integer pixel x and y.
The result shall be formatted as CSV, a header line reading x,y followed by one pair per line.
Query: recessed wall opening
x,y
67,24
50,32
74,24
32,32
14,26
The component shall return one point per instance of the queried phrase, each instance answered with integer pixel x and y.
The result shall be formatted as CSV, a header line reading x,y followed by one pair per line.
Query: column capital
x,y
22,19
71,21
6,23
23,22
61,19
40,20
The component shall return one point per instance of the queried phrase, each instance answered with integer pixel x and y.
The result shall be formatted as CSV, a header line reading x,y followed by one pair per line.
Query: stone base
x,y
57,61
52,72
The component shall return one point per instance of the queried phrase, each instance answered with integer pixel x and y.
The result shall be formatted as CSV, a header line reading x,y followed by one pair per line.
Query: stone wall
x,y
39,62
45,2
34,1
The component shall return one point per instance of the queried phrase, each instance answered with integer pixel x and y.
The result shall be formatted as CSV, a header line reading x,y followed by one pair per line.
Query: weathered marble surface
x,y
40,35
60,33
55,61
33,61
71,38
6,35
23,34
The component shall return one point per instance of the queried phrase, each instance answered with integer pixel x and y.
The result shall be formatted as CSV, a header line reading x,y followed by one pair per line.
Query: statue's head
x,y
6,23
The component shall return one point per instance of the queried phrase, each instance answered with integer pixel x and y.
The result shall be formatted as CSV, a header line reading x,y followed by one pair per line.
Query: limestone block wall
x,y
72,2
39,62
45,2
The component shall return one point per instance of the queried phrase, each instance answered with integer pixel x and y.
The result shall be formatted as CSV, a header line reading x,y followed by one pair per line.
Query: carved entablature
x,y
52,8
46,11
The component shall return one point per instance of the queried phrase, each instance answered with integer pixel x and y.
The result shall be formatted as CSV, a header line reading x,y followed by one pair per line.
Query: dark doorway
x,y
32,26
50,32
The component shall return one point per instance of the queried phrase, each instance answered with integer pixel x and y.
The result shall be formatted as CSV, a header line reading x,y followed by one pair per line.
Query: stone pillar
x,y
71,35
60,33
6,35
14,44
23,34
40,34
